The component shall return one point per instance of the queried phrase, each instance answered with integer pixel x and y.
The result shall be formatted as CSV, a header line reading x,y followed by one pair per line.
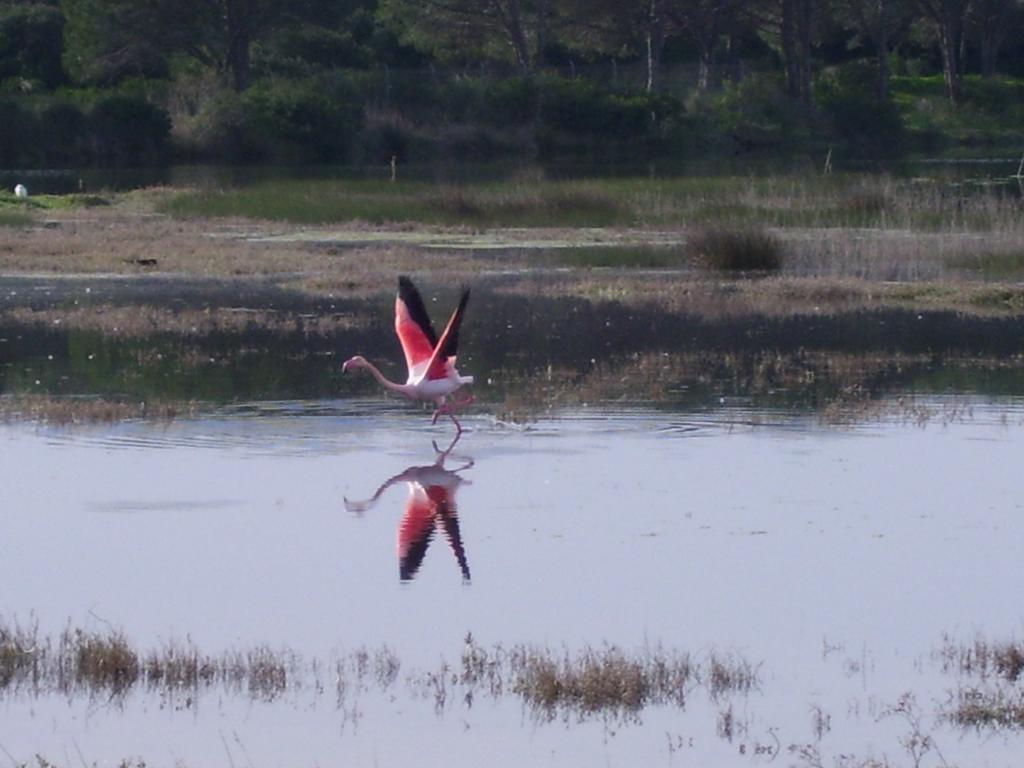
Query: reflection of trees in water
x,y
429,506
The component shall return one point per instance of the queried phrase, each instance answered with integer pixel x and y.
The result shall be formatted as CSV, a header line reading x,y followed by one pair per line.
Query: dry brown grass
x,y
773,296
144,321
826,268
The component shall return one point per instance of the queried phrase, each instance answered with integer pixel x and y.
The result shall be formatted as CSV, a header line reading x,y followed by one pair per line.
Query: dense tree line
x,y
128,81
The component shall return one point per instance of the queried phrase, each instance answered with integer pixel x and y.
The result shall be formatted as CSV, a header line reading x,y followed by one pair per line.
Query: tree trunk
x,y
789,48
949,41
707,75
948,17
236,23
655,44
993,26
804,19
882,50
517,36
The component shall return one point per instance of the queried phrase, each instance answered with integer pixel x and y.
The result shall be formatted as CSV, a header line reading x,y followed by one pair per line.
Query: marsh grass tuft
x,y
740,250
981,658
994,698
591,682
101,660
981,708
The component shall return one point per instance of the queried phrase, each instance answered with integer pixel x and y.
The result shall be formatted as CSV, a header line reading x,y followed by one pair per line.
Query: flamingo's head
x,y
353,362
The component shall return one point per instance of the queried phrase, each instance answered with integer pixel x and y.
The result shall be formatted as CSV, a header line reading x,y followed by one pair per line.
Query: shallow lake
x,y
836,563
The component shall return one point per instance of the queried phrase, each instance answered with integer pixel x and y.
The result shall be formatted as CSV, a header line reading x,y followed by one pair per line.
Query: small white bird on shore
x,y
20,190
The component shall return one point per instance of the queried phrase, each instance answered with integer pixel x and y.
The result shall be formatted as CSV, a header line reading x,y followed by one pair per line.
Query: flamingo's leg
x,y
442,455
458,427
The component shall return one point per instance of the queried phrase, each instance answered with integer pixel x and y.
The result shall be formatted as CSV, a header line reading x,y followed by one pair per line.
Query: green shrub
x,y
18,135
582,108
300,121
756,112
31,43
128,130
384,135
868,126
64,134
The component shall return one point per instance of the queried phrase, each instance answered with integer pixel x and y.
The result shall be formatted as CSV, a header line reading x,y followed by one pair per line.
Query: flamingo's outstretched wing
x,y
448,344
413,326
415,530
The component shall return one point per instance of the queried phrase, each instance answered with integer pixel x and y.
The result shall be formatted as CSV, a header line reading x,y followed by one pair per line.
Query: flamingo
x,y
429,359
430,506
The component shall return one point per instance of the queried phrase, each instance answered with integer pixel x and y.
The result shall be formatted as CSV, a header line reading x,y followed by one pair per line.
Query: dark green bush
x,y
383,136
301,121
128,130
756,112
64,134
582,108
735,250
867,125
31,42
18,135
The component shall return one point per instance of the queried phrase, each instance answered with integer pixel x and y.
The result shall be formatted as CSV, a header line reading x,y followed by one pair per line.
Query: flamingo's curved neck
x,y
401,389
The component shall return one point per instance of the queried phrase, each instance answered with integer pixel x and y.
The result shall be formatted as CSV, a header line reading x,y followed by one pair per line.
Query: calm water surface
x,y
836,560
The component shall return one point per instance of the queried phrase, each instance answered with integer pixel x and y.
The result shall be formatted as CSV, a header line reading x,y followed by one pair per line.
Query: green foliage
x,y
581,107
868,126
18,130
108,40
30,43
128,130
64,131
311,120
756,112
302,50
991,110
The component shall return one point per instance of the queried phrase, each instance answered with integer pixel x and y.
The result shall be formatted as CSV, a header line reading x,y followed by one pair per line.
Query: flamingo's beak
x,y
344,366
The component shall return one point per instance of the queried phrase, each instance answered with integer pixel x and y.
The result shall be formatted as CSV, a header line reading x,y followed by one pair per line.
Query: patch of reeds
x,y
991,696
982,658
592,682
980,708
71,410
745,250
612,681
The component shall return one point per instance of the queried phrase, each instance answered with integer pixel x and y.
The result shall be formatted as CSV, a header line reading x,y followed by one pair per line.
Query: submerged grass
x,y
73,410
605,682
991,673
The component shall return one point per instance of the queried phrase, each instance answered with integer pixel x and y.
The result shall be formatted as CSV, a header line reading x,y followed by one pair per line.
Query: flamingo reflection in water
x,y
429,506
